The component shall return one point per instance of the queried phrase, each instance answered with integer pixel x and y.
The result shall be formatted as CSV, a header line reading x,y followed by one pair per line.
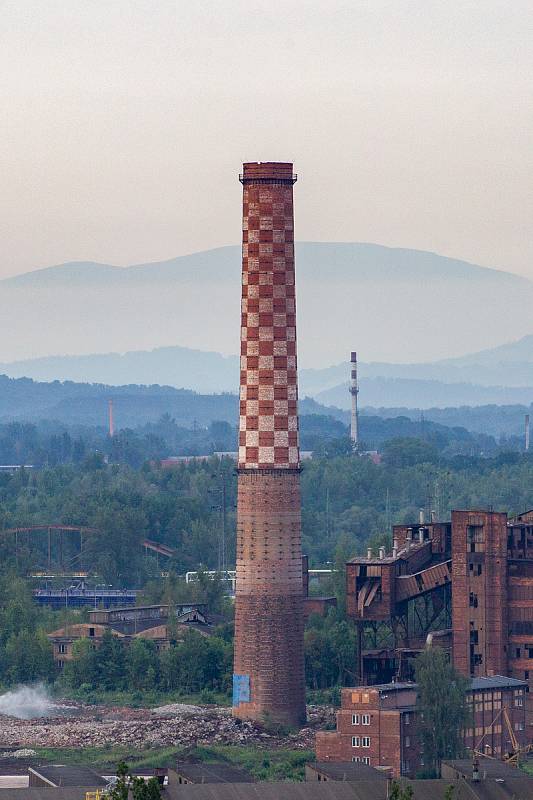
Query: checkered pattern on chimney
x,y
268,425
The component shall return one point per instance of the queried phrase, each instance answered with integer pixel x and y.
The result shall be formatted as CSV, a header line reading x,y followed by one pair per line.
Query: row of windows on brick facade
x,y
361,760
360,719
360,741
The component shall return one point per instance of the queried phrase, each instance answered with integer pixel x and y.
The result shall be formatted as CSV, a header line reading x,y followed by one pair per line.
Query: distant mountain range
x,y
25,400
179,367
81,404
503,375
389,304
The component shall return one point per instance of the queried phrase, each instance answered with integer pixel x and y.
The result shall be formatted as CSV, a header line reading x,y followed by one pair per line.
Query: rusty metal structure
x,y
269,667
466,585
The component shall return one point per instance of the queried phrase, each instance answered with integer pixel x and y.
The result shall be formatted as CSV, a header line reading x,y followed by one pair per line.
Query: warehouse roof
x,y
213,773
496,682
59,775
47,793
347,771
313,790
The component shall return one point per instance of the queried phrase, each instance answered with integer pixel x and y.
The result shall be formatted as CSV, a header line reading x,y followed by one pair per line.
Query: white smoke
x,y
27,702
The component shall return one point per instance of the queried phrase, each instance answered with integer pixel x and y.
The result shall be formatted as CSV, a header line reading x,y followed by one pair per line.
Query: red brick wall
x,y
480,578
382,730
269,585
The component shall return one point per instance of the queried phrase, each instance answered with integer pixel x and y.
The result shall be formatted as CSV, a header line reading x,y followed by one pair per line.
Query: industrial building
x,y
494,781
159,624
377,725
269,618
465,586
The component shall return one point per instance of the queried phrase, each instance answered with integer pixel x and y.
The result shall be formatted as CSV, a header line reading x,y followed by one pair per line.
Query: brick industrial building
x,y
466,586
377,725
269,666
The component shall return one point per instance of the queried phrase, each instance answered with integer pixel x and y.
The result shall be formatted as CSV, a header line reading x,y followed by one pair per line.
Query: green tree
x,y
400,792
142,664
83,670
405,452
120,790
442,707
111,661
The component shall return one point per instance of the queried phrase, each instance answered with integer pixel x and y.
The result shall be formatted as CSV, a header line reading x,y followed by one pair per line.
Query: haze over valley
x,y
392,305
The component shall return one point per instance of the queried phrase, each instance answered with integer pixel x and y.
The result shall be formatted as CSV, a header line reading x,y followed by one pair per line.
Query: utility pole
x,y
111,420
223,524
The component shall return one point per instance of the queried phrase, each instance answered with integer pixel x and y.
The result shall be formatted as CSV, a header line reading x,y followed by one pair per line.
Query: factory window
x,y
355,759
473,600
365,741
356,741
478,659
407,718
529,651
91,631
60,664
519,702
355,719
408,741
365,760
62,648
474,536
517,652
365,719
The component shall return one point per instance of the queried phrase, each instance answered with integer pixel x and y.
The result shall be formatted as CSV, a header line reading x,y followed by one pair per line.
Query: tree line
x,y
348,502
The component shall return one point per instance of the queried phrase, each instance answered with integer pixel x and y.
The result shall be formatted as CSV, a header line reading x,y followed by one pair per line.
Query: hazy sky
x,y
124,124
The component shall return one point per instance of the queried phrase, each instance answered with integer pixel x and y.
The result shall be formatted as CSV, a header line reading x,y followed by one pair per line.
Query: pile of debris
x,y
174,725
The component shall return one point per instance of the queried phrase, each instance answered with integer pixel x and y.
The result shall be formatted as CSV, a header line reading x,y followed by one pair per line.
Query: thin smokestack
x,y
111,421
354,391
526,443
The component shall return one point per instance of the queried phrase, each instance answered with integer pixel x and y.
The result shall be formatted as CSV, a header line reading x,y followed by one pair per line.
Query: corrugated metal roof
x,y
48,793
496,682
60,775
213,773
348,771
313,790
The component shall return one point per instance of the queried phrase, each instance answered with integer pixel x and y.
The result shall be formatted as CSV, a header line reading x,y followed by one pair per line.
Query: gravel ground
x,y
175,724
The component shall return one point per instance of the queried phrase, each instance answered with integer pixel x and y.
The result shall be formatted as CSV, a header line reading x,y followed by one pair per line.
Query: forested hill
x,y
24,399
85,403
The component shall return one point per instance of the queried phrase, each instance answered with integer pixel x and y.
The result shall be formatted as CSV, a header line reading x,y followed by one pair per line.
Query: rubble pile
x,y
175,725
24,753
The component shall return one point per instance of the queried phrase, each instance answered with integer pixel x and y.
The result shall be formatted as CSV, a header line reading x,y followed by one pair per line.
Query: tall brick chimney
x,y
269,664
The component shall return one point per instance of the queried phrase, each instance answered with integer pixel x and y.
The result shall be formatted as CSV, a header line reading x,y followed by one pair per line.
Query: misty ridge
x,y
502,375
390,304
